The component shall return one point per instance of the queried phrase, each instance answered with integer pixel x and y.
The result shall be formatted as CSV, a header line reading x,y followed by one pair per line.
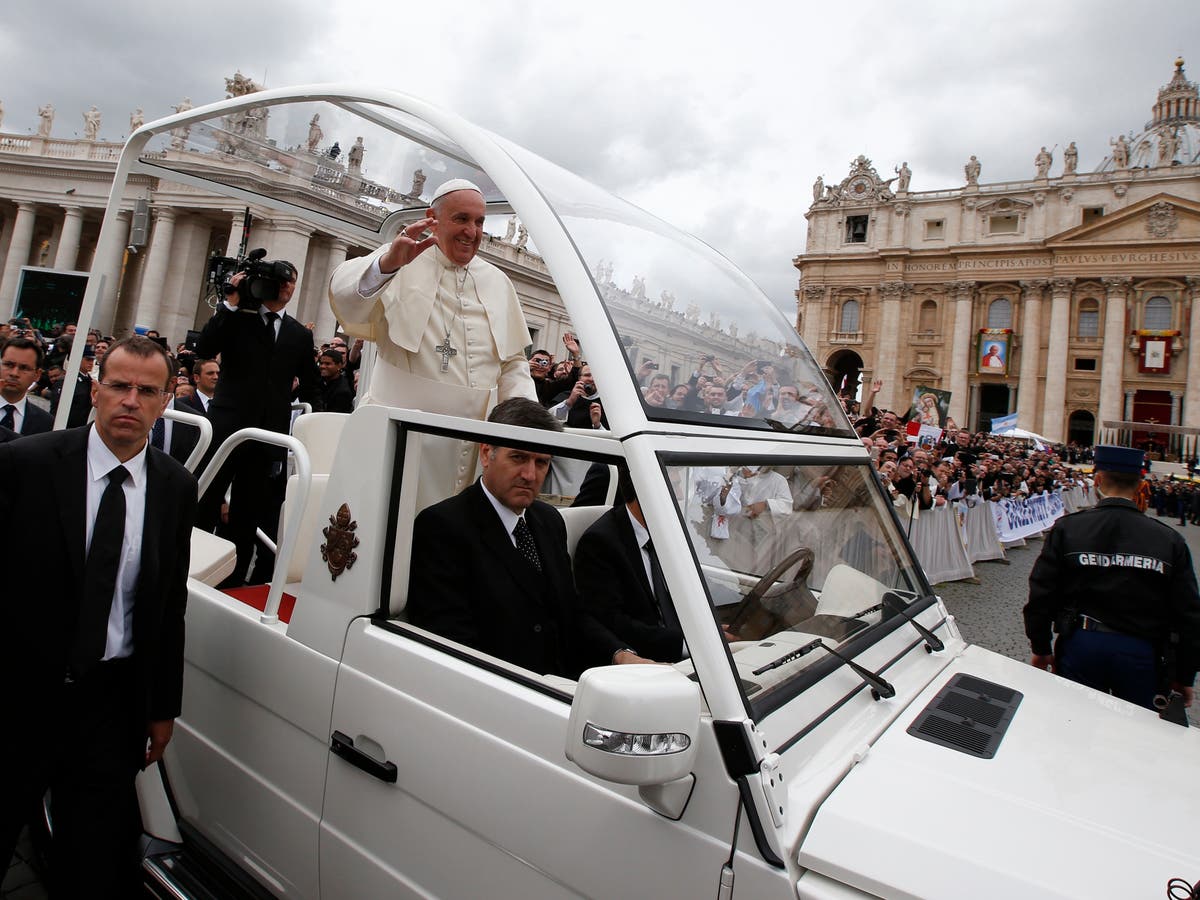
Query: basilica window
x,y
927,320
935,229
849,321
1088,325
999,313
856,229
1157,314
1003,224
1091,214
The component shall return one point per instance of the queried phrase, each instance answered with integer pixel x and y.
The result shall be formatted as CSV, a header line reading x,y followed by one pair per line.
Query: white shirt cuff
x,y
373,279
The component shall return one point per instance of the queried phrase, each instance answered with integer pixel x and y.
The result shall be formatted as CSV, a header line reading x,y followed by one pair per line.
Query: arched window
x,y
1157,314
849,324
999,313
927,321
1089,318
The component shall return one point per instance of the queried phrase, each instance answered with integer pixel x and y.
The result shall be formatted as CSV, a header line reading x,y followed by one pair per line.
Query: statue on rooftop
x,y
1070,159
418,183
522,237
972,170
818,188
1043,161
355,157
510,232
91,124
1120,154
136,120
46,114
314,133
903,177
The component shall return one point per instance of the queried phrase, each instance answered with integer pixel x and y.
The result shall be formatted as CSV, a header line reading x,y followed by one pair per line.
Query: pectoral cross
x,y
447,351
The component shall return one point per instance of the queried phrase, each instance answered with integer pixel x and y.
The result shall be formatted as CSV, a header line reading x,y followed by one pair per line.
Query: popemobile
x,y
848,744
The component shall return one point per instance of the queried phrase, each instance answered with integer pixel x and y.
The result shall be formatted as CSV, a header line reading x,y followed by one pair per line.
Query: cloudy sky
x,y
716,117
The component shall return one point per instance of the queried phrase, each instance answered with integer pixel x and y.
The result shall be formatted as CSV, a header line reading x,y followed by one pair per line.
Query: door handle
x,y
343,745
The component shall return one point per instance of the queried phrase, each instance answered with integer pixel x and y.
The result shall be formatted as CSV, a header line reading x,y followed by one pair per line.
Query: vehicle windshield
x,y
792,554
686,316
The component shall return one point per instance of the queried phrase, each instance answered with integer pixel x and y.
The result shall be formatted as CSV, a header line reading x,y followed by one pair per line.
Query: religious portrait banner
x,y
930,406
993,351
1154,352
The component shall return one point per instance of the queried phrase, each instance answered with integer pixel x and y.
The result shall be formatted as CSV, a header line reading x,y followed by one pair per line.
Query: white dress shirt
x,y
508,518
101,461
18,412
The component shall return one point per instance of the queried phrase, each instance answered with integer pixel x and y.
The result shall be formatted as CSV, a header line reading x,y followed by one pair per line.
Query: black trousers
x,y
85,743
255,478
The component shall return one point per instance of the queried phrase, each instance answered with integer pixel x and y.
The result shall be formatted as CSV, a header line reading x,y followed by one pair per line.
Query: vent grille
x,y
969,715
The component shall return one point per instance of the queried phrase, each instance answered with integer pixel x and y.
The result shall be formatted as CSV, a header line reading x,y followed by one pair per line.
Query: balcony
x,y
925,338
846,337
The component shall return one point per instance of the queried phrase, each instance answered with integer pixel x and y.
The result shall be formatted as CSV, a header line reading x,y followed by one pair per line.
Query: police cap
x,y
1119,459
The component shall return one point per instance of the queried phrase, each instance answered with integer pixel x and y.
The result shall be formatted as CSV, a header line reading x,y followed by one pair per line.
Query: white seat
x,y
212,558
320,433
847,591
310,525
578,519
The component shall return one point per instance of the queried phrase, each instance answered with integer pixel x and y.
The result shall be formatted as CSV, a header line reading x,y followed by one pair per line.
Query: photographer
x,y
580,407
267,358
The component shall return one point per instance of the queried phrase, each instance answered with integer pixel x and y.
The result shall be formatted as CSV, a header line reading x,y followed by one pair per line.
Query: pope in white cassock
x,y
448,328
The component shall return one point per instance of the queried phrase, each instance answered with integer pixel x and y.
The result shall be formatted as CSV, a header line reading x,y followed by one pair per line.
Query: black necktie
x,y
100,574
272,318
666,609
525,544
9,420
158,434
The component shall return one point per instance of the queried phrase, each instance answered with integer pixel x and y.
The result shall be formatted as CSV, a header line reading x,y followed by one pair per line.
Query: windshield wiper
x,y
932,641
880,687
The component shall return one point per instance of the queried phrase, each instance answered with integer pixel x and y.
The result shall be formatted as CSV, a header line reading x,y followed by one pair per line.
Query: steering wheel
x,y
802,555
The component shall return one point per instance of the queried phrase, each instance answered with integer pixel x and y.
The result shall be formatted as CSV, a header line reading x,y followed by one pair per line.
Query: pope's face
x,y
459,226
513,476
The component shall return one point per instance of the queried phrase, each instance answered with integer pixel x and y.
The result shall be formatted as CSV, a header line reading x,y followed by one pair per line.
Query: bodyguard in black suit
x,y
621,584
176,438
92,618
490,567
20,368
263,352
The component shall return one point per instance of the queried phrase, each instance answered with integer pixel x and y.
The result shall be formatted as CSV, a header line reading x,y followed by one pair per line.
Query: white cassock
x,y
428,305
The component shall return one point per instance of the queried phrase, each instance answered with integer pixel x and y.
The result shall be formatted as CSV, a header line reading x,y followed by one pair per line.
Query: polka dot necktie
x,y
9,420
525,545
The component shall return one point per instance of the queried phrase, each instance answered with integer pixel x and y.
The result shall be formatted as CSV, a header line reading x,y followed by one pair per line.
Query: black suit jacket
x,y
37,420
337,395
45,501
193,404
469,583
184,437
614,589
81,401
255,387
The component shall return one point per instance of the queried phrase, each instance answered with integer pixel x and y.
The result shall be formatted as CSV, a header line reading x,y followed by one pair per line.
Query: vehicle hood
x,y
1086,796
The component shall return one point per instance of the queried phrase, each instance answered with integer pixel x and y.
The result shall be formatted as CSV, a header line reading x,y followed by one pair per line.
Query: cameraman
x,y
267,358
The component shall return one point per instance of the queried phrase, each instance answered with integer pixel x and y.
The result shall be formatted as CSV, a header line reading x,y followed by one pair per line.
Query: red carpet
x,y
256,595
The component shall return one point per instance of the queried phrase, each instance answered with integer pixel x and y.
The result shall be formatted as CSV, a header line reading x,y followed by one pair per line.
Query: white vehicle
x,y
850,745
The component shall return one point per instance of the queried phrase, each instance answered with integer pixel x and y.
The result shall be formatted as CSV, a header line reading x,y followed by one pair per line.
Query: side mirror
x,y
634,724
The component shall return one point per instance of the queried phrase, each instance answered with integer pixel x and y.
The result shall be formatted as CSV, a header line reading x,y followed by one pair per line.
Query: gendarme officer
x,y
1117,587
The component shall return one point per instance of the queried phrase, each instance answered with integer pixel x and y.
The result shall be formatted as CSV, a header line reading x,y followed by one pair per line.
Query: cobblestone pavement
x,y
989,613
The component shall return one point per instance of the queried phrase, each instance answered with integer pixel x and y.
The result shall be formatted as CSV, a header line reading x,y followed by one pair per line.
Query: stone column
x,y
149,302
960,351
1174,440
326,322
237,220
1112,360
68,240
1054,409
112,295
1191,397
18,253
1127,410
810,328
888,348
1031,352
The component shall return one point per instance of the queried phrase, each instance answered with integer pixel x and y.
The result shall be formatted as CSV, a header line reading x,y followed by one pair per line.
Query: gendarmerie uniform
x,y
1131,583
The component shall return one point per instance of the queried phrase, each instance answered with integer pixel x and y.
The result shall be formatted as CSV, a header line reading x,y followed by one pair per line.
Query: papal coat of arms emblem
x,y
338,549
1161,219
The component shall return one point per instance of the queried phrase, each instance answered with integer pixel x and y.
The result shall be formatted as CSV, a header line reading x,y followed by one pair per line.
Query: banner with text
x,y
1017,519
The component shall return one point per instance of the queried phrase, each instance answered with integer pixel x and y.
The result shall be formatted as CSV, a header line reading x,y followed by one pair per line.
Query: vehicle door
x,y
451,778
